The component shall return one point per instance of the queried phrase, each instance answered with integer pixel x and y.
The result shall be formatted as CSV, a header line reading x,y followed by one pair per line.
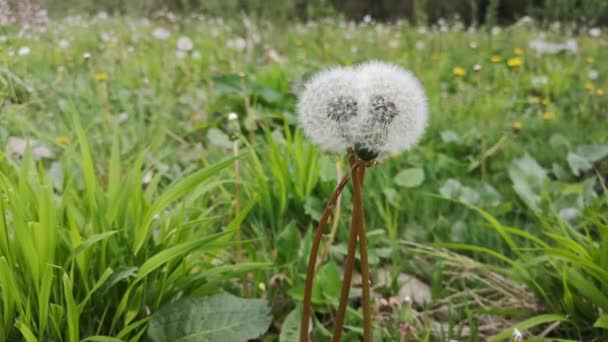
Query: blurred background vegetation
x,y
475,12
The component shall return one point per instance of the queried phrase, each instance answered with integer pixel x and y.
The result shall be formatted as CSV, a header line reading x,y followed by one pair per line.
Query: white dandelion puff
x,y
161,33
23,51
184,43
595,32
328,109
593,74
393,109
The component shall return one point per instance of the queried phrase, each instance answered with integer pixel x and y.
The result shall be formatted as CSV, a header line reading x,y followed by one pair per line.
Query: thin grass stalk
x,y
237,208
336,221
314,250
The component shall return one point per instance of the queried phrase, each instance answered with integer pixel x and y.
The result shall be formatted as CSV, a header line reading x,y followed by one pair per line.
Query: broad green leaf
x,y
222,318
602,322
410,178
592,153
578,164
290,330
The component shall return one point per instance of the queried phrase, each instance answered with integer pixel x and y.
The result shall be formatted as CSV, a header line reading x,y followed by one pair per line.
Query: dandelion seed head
x,y
393,108
328,109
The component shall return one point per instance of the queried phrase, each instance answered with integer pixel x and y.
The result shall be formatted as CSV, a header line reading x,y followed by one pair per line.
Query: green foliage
x,y
222,317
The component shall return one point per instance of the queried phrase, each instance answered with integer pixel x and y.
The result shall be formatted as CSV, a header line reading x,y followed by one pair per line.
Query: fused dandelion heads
x,y
370,111
376,108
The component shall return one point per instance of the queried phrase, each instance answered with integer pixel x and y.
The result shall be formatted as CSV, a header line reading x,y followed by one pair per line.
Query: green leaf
x,y
218,138
222,317
290,331
602,322
410,178
592,153
578,164
527,324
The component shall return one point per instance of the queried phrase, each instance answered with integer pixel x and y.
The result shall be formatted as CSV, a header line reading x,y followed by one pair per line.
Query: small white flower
x,y
184,43
473,45
593,74
64,44
237,44
393,107
328,109
23,51
367,19
538,81
161,33
595,32
233,116
517,335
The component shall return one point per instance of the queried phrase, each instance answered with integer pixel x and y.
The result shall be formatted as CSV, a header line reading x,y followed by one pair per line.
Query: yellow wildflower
x,y
515,62
62,140
517,125
496,59
458,72
590,60
589,86
519,51
548,116
599,91
101,77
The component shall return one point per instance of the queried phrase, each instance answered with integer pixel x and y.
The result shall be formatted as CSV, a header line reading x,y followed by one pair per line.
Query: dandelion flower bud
x,y
328,109
393,110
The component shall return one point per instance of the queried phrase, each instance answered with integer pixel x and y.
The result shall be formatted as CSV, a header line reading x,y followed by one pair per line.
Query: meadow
x,y
152,172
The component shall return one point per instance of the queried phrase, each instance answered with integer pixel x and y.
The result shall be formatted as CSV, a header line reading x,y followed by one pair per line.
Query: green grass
x,y
137,208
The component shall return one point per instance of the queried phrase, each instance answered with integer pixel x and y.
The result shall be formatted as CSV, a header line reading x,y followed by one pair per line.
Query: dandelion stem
x,y
314,250
357,228
365,277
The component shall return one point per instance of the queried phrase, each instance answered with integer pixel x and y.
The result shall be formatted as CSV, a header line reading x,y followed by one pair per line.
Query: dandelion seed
x,y
23,51
184,43
517,335
593,74
458,72
496,59
64,44
515,62
161,33
595,32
